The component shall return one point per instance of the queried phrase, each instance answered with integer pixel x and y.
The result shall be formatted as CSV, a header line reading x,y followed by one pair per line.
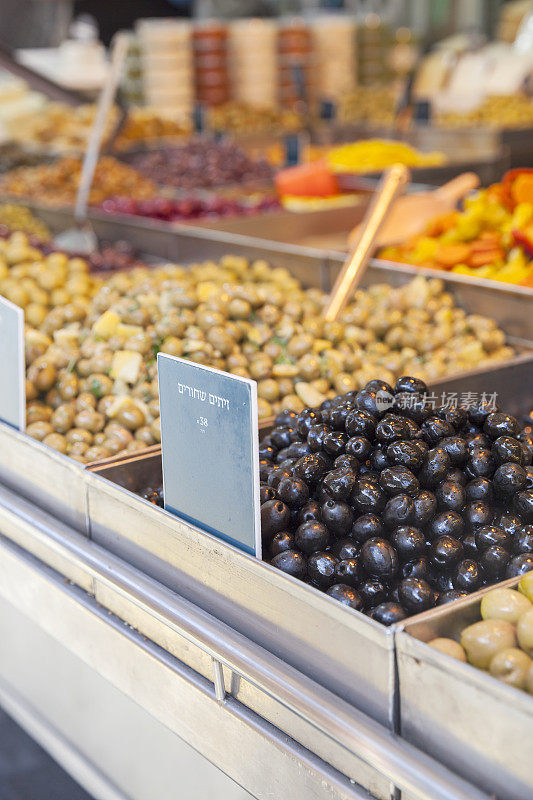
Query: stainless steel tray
x,y
471,722
334,648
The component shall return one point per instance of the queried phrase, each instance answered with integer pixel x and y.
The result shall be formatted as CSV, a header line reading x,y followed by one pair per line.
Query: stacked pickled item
x,y
502,641
496,111
375,155
391,504
492,237
92,343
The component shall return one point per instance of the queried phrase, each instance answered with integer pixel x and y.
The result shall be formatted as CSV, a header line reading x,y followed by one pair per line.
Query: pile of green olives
x,y
502,641
391,504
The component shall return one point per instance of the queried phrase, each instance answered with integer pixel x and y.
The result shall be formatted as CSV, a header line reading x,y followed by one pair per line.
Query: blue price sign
x,y
210,447
12,365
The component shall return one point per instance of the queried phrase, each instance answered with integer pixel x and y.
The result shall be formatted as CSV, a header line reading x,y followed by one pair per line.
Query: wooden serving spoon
x,y
410,214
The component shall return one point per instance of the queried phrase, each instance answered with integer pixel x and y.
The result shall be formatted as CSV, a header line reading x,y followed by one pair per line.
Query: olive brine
x,y
392,505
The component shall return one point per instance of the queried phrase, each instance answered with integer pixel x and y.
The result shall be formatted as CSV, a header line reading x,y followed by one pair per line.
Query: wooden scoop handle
x,y
457,188
392,184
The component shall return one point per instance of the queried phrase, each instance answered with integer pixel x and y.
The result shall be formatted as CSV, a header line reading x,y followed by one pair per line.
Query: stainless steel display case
x,y
475,724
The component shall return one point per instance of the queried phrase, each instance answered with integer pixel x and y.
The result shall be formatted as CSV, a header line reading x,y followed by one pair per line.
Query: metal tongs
x,y
82,238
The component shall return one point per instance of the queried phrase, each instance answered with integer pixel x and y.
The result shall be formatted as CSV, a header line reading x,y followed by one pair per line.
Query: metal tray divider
x,y
408,768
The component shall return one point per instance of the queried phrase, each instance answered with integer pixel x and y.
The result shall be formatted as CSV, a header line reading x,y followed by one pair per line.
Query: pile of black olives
x,y
392,505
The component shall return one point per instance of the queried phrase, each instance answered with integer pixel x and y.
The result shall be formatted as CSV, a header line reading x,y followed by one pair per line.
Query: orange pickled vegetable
x,y
517,187
307,180
449,255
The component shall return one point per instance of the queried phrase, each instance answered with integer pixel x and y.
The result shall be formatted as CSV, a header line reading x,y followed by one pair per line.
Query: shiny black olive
x,y
266,493
288,464
297,450
346,595
499,424
367,400
373,591
267,452
479,412
281,542
334,443
306,419
470,546
494,562
511,523
265,468
275,517
468,575
478,513
276,476
478,440
371,475
415,595
529,477
293,492
414,430
449,597
425,506
359,447
394,596
508,479
348,461
350,571
365,527
479,489
281,437
379,558
378,458
345,548
292,562
391,429
434,429
281,456
409,542
435,469
522,542
519,565
480,464
337,517
418,568
523,504
388,613
399,480
310,469
408,384
377,385
445,552
455,416
315,437
450,495
367,497
339,483
360,423
506,449
446,523
321,569
405,454
338,414
441,580
526,441
457,476
399,510
286,419
309,511
412,406
311,537
457,449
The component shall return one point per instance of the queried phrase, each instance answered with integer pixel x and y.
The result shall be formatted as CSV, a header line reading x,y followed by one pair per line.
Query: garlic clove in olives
x,y
482,640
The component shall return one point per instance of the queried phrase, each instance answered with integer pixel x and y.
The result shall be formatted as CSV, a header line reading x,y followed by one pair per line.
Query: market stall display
x,y
191,208
490,238
18,218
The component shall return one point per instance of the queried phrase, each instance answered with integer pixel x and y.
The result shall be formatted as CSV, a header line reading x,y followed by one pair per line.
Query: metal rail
x,y
404,765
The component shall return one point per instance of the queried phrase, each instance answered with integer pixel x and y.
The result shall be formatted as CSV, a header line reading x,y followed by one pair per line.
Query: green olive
x,y
85,400
79,435
482,640
524,631
511,666
449,647
507,604
131,416
56,441
35,412
90,420
62,419
525,586
39,430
